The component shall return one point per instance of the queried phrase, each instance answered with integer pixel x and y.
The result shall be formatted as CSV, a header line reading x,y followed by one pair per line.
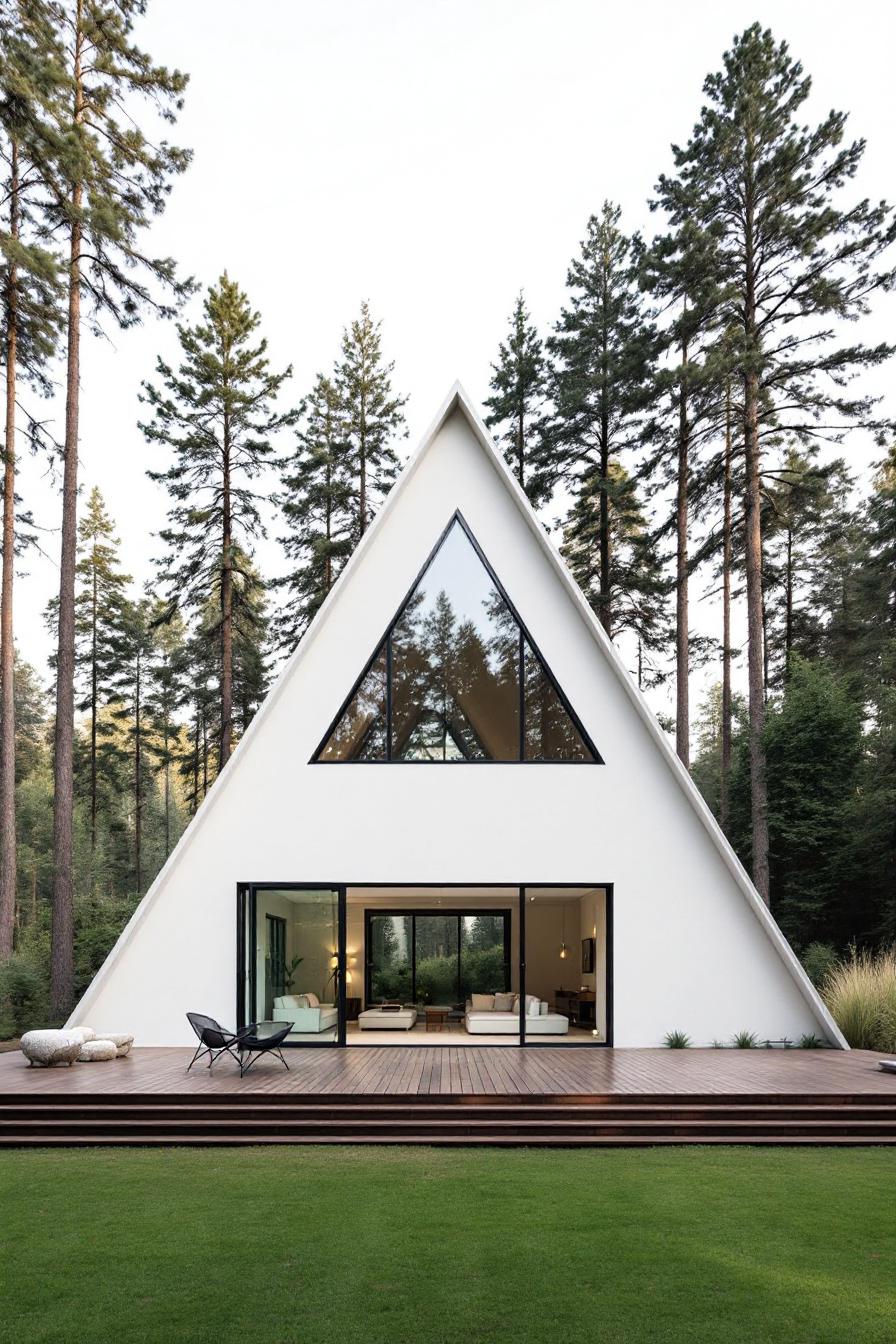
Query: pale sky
x,y
432,158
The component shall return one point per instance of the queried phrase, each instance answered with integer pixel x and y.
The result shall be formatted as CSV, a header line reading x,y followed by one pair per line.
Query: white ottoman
x,y
50,1047
91,1051
378,1019
119,1039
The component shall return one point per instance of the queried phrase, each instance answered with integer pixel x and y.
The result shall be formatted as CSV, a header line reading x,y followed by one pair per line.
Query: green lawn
x,y
408,1246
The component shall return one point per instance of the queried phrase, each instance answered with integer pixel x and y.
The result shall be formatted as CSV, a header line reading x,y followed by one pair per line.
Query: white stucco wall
x,y
690,950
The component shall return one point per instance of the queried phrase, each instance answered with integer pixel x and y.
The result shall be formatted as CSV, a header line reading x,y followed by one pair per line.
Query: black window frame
x,y
371,912
385,643
246,964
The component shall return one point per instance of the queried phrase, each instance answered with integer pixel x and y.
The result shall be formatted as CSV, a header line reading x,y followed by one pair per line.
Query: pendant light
x,y
564,950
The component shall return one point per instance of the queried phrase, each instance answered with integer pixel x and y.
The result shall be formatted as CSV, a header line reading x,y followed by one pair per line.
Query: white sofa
x,y
484,1019
305,1013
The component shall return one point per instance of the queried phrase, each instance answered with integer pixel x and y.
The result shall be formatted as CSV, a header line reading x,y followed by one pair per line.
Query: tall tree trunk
x,y
167,739
138,789
94,691
755,641
788,604
606,612
682,633
62,972
226,611
725,777
521,449
362,464
7,646
196,730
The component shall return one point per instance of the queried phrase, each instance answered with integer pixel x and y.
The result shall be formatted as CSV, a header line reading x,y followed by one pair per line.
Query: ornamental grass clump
x,y
861,994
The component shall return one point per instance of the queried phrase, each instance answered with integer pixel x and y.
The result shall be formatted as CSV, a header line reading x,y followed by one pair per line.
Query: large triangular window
x,y
456,677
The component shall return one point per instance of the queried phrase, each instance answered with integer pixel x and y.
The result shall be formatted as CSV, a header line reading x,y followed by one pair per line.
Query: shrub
x,y
861,994
819,959
810,1041
745,1040
677,1040
23,997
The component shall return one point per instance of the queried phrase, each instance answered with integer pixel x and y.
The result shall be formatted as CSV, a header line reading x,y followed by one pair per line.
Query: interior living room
x,y
431,965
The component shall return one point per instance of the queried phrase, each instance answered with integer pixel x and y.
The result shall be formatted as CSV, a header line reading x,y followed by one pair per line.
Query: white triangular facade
x,y
693,946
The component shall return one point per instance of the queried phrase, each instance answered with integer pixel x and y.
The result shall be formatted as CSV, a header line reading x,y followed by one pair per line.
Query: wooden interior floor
x,y
465,1071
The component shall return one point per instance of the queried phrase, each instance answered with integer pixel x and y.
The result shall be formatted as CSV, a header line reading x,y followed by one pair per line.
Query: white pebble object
x,y
92,1051
83,1033
50,1047
120,1039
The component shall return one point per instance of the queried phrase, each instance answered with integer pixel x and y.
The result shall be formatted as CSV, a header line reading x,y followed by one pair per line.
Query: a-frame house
x,y
454,818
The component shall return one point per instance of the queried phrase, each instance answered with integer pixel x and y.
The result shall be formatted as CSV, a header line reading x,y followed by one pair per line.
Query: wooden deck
x,y
469,1071
470,1095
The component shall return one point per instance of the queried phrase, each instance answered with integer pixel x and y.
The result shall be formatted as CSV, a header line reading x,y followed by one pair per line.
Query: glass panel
x,y
295,962
455,680
551,734
455,671
389,958
436,956
360,735
571,1001
483,967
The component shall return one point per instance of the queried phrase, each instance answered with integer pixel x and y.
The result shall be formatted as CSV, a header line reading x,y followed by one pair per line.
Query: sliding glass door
x,y
292,960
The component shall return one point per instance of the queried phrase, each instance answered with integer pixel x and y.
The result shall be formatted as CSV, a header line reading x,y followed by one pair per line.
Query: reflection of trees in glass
x,y
360,734
455,670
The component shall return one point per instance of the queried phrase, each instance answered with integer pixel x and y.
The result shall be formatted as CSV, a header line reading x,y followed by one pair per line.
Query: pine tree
x,y
603,386
678,270
372,416
792,261
639,584
316,502
133,653
115,179
814,746
805,519
30,79
164,698
518,392
100,602
217,413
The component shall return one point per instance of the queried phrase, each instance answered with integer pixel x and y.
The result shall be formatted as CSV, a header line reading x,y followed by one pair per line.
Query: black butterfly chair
x,y
256,1041
214,1040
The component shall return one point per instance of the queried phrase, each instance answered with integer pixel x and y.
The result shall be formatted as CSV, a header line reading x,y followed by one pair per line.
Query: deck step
x,y
27,1140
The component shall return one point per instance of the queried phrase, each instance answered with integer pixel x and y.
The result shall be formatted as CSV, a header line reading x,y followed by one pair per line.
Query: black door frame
x,y
246,966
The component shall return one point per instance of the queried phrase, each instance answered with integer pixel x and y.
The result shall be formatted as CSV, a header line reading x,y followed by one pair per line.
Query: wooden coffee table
x,y
435,1018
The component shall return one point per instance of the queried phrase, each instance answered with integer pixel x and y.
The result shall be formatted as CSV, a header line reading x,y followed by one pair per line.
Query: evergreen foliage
x,y
217,414
372,418
604,350
518,392
316,499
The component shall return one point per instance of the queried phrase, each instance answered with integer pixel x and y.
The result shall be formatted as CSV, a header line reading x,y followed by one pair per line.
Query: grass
x,y
424,1246
861,994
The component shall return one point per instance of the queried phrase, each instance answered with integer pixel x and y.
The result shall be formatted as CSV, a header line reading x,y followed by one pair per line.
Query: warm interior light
x,y
348,977
334,963
564,952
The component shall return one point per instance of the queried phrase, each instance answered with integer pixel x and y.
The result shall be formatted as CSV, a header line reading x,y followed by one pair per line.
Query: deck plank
x,y
465,1070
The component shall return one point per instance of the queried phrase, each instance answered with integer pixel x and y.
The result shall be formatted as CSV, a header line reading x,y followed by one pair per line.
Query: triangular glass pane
x,y
454,654
455,662
550,734
360,734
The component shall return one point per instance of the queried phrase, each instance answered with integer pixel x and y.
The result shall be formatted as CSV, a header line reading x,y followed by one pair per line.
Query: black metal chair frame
x,y
214,1040
256,1046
